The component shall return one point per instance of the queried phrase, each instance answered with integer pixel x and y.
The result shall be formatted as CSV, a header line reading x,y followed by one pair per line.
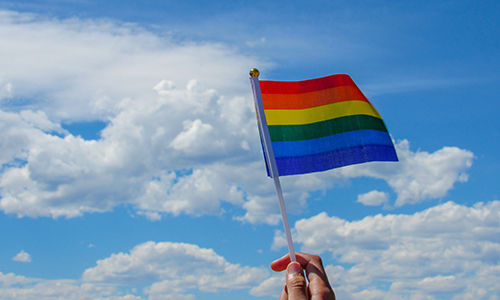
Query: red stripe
x,y
305,86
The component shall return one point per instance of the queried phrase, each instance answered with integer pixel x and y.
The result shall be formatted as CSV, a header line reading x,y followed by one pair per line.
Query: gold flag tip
x,y
254,72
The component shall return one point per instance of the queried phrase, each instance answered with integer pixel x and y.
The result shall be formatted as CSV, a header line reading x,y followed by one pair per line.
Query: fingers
x,y
296,284
303,258
281,263
319,285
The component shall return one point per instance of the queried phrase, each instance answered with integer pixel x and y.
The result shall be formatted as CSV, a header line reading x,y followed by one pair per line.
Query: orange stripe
x,y
312,99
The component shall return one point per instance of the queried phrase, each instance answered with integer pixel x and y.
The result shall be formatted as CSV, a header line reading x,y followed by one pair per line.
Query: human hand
x,y
296,285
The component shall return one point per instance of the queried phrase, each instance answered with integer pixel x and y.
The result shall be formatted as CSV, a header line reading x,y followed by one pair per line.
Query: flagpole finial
x,y
254,72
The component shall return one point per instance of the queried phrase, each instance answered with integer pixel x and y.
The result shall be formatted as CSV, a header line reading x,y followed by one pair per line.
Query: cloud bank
x,y
448,251
168,270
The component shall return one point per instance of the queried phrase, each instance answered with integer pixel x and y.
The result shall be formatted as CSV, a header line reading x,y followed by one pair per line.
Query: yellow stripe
x,y
318,114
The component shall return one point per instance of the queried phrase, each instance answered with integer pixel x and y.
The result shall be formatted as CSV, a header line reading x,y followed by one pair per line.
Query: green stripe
x,y
285,133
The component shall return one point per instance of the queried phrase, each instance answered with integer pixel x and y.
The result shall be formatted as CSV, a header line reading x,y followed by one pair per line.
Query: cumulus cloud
x,y
174,268
165,270
152,160
7,280
448,249
373,198
152,261
272,286
115,72
429,175
22,257
418,176
14,287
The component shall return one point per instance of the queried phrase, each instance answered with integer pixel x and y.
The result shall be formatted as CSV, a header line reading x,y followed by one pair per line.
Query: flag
x,y
324,123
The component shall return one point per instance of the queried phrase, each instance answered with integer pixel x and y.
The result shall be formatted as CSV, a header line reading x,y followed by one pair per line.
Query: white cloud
x,y
448,249
425,175
174,268
195,138
150,215
111,71
39,120
200,192
373,198
14,287
165,270
418,176
22,257
7,280
83,68
269,287
140,143
261,210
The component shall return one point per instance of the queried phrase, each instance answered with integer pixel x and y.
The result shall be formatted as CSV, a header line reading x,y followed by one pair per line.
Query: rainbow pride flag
x,y
323,123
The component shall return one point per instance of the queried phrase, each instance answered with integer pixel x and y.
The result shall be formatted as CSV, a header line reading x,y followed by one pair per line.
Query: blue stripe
x,y
335,159
331,143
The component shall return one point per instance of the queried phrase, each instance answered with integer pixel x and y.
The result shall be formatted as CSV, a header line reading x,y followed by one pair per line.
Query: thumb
x,y
296,283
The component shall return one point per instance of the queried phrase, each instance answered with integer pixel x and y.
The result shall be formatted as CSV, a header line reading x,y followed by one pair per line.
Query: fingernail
x,y
294,268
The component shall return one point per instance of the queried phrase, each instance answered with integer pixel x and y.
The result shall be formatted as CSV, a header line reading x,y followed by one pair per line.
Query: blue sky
x,y
131,165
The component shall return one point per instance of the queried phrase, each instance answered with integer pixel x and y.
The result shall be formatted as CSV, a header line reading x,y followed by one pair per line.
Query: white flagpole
x,y
269,153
